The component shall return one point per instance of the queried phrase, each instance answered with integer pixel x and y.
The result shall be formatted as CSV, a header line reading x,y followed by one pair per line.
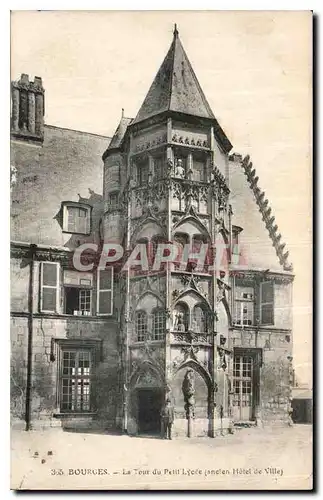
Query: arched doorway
x,y
147,397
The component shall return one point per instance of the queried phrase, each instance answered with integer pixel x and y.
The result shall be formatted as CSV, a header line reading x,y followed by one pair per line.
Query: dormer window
x,y
76,218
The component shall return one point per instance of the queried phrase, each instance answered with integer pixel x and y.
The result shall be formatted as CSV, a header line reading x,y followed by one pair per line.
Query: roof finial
x,y
122,112
175,32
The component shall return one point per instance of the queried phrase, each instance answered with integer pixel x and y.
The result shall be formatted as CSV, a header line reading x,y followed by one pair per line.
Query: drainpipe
x,y
30,335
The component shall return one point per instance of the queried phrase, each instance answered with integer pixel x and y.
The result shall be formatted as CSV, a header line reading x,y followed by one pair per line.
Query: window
x,y
141,325
235,241
76,218
159,167
181,239
199,170
77,293
105,292
199,323
159,324
143,172
77,301
49,286
267,303
113,200
244,306
76,379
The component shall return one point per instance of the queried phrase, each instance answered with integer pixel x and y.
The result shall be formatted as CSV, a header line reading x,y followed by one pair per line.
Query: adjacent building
x,y
104,347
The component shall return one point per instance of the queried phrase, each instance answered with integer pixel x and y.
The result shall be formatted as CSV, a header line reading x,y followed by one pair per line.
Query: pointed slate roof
x,y
119,133
175,87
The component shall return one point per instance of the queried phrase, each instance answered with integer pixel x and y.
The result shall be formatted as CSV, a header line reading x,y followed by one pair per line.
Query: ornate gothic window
x,y
142,172
199,320
159,166
180,239
141,325
159,324
197,242
199,169
156,240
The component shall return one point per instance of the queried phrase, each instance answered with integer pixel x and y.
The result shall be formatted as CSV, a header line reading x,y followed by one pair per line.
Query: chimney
x,y
27,121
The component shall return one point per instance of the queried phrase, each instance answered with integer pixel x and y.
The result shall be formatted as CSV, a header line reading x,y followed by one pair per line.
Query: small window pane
x,y
49,274
267,314
105,306
267,292
49,299
105,277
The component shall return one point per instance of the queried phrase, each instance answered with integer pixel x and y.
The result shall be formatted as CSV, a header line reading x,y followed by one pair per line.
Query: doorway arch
x,y
146,400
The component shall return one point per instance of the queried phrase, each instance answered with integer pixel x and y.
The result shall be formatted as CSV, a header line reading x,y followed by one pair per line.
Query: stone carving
x,y
147,379
180,337
193,142
179,169
179,323
250,173
190,351
222,359
188,389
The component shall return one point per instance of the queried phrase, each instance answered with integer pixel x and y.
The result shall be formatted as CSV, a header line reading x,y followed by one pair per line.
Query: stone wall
x,y
67,167
45,367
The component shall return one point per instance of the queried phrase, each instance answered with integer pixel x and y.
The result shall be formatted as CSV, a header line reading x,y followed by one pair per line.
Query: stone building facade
x,y
104,348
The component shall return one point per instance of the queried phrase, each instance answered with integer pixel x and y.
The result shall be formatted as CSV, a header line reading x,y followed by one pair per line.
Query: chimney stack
x,y
27,121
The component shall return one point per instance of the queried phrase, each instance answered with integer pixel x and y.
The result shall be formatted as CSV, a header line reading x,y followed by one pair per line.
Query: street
x,y
252,458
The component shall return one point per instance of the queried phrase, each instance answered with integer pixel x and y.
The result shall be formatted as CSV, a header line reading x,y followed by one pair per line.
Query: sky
x,y
254,68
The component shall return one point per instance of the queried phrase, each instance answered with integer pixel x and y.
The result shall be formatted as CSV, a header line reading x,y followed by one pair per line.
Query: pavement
x,y
251,458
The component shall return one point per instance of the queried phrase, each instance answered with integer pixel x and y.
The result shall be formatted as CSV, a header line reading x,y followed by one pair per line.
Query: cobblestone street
x,y
278,458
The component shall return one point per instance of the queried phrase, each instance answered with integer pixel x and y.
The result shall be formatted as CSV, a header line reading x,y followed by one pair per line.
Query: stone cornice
x,y
261,274
41,252
266,213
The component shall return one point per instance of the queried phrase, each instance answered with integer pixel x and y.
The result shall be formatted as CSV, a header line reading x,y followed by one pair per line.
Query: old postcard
x,y
161,250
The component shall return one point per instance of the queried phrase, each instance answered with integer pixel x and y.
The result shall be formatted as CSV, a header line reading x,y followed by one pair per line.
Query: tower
x,y
204,301
173,157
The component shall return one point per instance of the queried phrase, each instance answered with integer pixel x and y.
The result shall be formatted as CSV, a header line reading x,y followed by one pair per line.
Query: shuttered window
x,y
105,292
49,286
267,303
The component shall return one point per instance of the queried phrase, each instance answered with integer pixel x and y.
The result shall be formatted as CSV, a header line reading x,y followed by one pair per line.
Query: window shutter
x,y
267,303
49,286
105,292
